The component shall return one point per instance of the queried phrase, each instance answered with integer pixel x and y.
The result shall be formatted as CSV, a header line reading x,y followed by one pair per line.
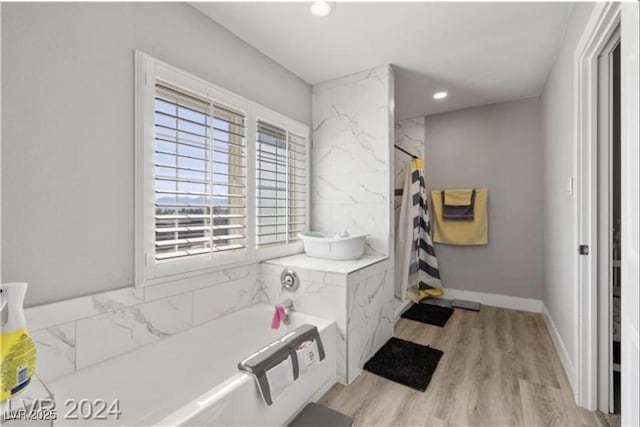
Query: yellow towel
x,y
474,232
458,197
426,293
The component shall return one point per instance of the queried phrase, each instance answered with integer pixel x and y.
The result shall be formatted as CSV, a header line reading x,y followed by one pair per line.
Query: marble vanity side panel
x,y
370,314
351,170
56,350
104,336
387,322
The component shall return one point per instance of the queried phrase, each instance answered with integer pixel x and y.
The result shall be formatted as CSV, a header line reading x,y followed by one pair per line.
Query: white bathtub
x,y
192,378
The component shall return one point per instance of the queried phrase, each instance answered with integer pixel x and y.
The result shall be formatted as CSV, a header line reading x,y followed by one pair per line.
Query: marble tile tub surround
x,y
316,265
351,163
320,293
79,332
357,294
370,314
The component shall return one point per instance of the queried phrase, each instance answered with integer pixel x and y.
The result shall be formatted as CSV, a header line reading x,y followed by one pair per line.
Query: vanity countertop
x,y
328,265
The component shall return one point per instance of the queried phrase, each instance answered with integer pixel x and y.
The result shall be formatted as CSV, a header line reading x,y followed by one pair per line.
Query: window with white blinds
x,y
281,194
220,180
200,176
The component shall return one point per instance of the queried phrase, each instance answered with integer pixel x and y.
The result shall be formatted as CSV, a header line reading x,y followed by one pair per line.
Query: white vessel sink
x,y
326,246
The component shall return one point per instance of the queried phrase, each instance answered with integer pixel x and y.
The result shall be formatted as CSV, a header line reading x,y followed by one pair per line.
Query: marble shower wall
x,y
351,157
410,135
72,334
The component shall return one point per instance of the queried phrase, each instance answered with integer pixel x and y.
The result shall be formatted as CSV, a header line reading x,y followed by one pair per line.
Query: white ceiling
x,y
481,53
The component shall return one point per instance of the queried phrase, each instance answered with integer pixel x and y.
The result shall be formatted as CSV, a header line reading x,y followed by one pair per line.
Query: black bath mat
x,y
428,313
405,362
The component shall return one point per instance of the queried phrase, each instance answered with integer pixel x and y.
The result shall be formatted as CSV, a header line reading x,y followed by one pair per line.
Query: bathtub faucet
x,y
288,306
281,314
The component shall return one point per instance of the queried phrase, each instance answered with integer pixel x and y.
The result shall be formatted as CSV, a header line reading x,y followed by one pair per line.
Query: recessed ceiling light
x,y
320,8
439,95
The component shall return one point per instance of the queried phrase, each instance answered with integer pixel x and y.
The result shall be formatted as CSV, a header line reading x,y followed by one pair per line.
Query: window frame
x,y
149,271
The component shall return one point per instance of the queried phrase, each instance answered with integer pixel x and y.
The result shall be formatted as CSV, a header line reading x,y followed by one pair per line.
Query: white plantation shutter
x,y
280,185
297,185
200,176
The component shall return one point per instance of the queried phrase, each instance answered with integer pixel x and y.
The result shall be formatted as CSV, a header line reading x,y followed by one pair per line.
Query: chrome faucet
x,y
288,306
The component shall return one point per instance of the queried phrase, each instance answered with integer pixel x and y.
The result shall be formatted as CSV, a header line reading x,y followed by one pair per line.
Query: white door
x,y
630,59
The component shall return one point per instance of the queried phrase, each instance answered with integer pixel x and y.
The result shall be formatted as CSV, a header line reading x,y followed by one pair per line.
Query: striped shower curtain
x,y
417,274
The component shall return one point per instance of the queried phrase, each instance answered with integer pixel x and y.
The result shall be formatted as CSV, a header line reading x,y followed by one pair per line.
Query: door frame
x,y
604,21
604,163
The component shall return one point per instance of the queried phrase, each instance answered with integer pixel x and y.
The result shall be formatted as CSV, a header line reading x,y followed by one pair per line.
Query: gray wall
x,y
1,143
559,293
67,161
498,147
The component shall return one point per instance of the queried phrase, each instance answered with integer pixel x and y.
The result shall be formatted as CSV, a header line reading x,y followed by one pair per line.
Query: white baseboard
x,y
565,359
495,300
400,307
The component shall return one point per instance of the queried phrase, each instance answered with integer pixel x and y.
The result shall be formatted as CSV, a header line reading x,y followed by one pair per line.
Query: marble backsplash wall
x,y
351,157
76,333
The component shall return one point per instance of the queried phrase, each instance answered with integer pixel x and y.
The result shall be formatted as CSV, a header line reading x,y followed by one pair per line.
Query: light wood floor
x,y
499,368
